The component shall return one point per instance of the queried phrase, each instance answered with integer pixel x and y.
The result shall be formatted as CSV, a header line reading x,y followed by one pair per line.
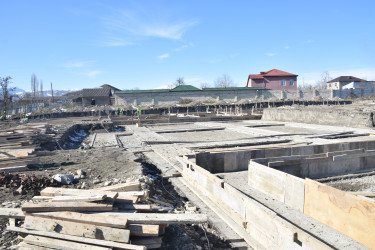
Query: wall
x,y
327,116
231,161
86,101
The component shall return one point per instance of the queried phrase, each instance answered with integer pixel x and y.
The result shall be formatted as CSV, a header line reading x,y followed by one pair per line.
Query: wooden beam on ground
x,y
92,219
51,191
11,213
144,230
65,206
153,218
122,187
104,243
367,194
25,246
138,207
77,229
58,244
78,198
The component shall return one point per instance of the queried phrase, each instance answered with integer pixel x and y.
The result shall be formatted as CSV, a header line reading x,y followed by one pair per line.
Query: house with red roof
x,y
274,79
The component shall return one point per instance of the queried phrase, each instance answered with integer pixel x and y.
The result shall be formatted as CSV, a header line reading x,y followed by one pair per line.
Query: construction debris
x,y
103,218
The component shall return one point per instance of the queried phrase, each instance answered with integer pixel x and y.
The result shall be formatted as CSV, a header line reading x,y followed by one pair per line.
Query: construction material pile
x,y
102,218
17,146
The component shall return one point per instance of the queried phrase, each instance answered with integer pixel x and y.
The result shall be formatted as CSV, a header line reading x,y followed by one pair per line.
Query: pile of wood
x,y
104,218
17,146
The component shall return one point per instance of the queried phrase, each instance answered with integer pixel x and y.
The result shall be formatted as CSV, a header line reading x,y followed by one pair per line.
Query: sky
x,y
141,44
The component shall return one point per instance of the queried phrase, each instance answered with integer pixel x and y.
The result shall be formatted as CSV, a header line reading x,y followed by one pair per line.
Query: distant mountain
x,y
21,92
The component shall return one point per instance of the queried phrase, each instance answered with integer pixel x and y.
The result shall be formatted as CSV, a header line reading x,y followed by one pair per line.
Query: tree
x,y
34,85
224,82
5,91
205,85
322,82
179,81
41,89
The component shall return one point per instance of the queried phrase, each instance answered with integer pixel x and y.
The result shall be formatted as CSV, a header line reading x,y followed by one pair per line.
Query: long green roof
x,y
185,88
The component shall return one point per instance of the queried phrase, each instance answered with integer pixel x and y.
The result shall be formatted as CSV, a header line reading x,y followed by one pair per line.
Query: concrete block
x,y
295,192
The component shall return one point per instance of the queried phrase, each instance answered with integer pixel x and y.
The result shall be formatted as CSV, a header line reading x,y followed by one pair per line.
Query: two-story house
x,y
340,82
274,79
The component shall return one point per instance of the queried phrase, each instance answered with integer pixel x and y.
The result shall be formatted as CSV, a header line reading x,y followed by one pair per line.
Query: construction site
x,y
266,175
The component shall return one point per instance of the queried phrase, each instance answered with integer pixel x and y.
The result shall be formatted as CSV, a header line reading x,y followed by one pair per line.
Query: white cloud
x,y
147,23
310,41
163,56
116,43
77,64
286,47
93,73
271,54
181,48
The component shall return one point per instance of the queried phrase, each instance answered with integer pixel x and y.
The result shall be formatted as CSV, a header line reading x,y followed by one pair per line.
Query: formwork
x,y
265,178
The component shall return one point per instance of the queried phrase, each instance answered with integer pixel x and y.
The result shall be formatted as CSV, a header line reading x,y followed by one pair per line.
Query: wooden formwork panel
x,y
346,213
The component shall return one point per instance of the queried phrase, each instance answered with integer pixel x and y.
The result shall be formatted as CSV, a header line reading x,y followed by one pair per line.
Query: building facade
x,y
339,82
274,79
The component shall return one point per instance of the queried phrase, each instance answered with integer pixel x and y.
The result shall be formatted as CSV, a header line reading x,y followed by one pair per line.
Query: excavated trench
x,y
180,236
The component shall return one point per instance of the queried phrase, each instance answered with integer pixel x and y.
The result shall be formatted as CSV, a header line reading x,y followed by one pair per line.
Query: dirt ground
x,y
105,166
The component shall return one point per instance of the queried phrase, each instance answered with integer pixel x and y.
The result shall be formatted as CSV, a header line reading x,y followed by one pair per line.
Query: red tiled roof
x,y
273,72
255,76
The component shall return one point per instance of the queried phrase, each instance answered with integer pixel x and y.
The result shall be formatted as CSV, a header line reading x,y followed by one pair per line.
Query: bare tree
x,y
205,85
41,88
34,85
5,91
224,82
179,81
322,82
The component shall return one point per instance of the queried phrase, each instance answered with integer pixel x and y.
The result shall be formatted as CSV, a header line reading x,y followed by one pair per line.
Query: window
x,y
283,82
291,82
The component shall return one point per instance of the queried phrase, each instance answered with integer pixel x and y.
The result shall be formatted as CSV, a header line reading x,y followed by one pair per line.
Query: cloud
x,y
286,47
142,22
162,87
271,54
310,41
116,43
77,64
163,56
93,73
184,47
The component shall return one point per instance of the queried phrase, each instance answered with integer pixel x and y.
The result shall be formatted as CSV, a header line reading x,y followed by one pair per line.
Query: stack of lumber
x,y
17,146
104,218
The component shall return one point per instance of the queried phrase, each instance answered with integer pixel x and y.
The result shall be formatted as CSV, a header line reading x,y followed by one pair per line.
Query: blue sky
x,y
149,44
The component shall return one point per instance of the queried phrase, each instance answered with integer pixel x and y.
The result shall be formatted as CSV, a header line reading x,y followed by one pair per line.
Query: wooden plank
x,y
25,246
144,230
346,213
154,218
51,191
367,194
14,169
97,242
11,213
92,219
65,206
124,198
133,193
122,187
267,180
77,229
78,198
138,207
58,244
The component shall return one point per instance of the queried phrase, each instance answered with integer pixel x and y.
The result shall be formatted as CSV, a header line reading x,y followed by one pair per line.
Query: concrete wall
x,y
327,116
86,101
231,161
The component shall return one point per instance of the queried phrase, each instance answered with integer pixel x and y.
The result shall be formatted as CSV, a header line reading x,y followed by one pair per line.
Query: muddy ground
x,y
105,166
